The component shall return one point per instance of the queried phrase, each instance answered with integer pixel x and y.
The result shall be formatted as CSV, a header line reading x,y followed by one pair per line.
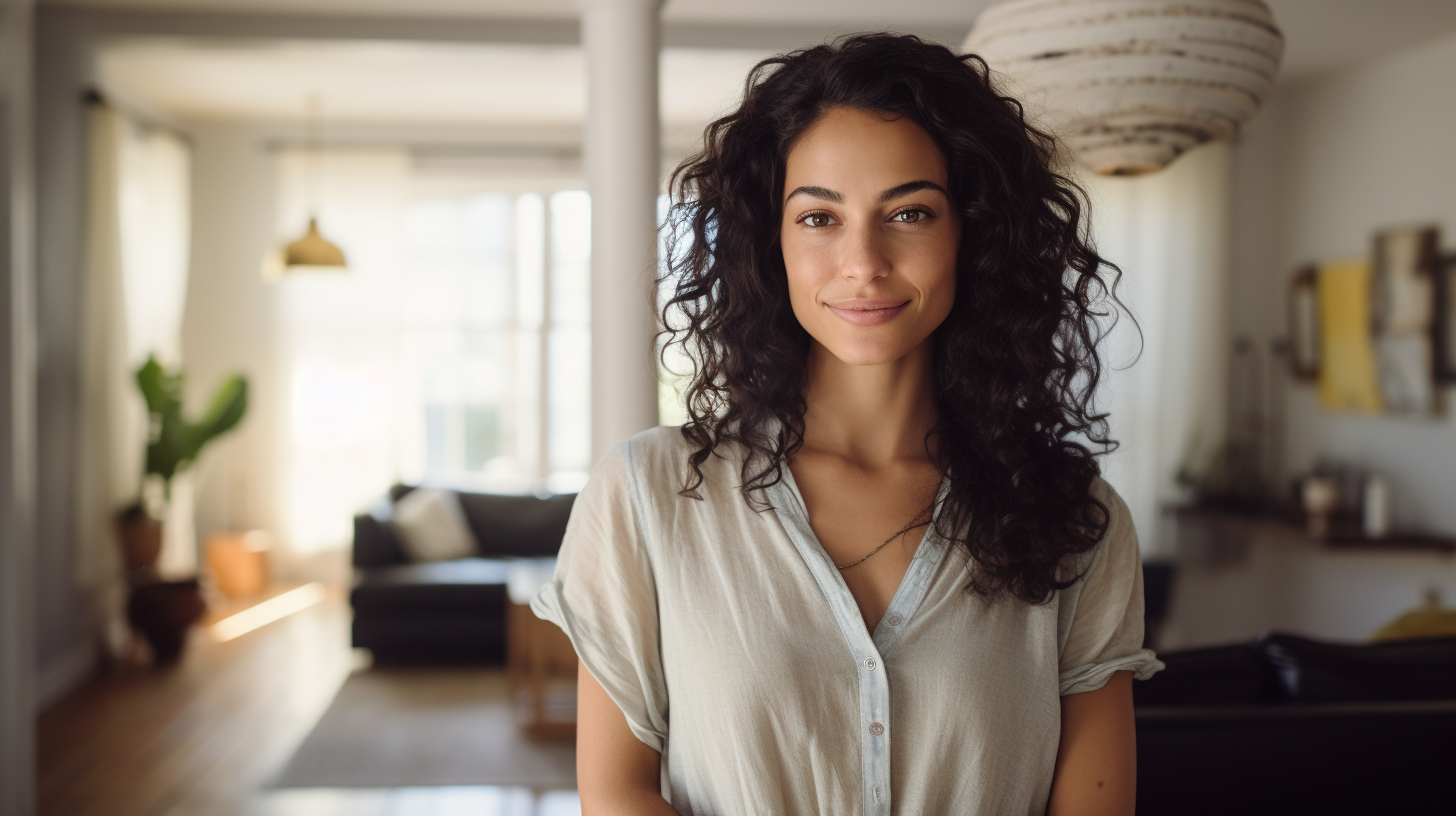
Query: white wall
x,y
17,418
232,323
1324,166
67,617
1315,176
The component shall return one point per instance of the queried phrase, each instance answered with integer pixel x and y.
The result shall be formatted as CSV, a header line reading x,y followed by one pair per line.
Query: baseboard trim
x,y
65,674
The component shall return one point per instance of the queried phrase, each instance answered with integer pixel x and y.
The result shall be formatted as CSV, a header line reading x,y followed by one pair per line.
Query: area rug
x,y
408,727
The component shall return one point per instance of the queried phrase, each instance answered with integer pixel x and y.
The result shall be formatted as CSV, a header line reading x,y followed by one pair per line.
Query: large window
x,y
495,345
455,351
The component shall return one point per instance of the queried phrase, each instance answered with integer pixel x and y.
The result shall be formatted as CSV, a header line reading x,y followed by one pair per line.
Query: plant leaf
x,y
229,404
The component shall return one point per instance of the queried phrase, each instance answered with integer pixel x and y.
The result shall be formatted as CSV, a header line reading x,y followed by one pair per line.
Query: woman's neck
x,y
870,415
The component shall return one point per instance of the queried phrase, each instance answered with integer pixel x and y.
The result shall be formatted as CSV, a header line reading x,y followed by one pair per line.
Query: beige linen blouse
x,y
732,645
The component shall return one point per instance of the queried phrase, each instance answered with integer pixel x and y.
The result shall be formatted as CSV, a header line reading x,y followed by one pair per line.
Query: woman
x,y
876,571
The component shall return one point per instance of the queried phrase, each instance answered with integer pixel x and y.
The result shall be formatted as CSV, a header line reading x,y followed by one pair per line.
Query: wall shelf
x,y
1288,525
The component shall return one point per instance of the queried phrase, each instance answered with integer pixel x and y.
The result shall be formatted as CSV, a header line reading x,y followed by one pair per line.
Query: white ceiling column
x,y
621,39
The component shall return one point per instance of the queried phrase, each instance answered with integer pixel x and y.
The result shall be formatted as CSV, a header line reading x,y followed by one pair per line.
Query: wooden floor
x,y
205,737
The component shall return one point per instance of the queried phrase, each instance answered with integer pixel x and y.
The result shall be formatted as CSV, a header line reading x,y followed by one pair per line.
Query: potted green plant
x,y
163,610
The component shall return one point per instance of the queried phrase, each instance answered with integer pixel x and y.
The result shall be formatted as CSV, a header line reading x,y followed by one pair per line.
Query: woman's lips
x,y
868,312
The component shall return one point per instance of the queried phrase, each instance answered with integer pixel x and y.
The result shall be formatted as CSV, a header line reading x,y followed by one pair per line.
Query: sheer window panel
x,y
460,343
529,346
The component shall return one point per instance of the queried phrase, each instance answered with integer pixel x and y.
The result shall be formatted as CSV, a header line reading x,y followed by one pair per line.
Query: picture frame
x,y
1304,324
1403,323
1445,319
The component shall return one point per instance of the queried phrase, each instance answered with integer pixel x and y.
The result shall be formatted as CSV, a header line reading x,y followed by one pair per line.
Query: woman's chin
x,y
869,354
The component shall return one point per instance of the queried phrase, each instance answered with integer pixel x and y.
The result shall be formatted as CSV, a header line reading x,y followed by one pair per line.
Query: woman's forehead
x,y
857,152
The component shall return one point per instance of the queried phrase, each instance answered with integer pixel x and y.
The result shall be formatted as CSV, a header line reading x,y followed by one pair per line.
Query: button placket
x,y
867,648
874,700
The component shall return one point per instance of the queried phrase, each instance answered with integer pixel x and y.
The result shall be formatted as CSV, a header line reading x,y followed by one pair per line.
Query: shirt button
x,y
894,620
870,663
876,729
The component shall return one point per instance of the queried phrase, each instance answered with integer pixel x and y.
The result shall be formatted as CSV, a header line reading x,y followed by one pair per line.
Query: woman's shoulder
x,y
1103,491
1119,538
658,442
1119,518
657,461
653,453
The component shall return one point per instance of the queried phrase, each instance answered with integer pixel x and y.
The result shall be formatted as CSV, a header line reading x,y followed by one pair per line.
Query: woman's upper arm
x,y
1096,772
616,772
603,595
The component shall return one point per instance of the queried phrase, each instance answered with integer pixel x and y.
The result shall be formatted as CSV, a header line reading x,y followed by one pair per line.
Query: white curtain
x,y
134,288
1169,233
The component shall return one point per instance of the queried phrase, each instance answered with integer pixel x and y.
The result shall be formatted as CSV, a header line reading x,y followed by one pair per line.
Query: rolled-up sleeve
x,y
1102,613
604,598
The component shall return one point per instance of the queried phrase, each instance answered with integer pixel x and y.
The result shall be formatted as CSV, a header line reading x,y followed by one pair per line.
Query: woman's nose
x,y
864,253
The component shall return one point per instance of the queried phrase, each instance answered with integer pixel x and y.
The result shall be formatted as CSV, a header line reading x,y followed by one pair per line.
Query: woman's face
x,y
869,235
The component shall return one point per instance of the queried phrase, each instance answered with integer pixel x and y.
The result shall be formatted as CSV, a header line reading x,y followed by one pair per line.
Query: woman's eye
x,y
909,216
817,219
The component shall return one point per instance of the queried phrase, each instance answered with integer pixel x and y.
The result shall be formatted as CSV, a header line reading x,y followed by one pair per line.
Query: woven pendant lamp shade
x,y
1128,85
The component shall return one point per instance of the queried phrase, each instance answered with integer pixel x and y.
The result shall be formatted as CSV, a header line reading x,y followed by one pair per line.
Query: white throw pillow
x,y
432,527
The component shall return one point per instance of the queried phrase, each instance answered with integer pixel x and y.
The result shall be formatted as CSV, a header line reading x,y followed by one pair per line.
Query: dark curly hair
x,y
1015,363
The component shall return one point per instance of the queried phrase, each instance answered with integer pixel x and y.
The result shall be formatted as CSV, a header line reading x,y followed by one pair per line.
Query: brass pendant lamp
x,y
312,252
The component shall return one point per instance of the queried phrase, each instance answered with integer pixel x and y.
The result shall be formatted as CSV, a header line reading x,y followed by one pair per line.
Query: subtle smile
x,y
868,312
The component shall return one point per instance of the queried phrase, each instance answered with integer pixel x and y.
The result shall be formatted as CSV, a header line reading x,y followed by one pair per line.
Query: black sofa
x,y
1287,725
447,610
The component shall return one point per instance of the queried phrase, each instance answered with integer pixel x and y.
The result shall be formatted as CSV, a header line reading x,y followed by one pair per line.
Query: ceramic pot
x,y
163,612
141,540
1321,498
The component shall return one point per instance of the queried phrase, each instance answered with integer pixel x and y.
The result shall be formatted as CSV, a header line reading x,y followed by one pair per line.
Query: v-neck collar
x,y
789,506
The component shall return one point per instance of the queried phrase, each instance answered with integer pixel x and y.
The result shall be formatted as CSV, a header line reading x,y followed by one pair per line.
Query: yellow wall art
x,y
1348,380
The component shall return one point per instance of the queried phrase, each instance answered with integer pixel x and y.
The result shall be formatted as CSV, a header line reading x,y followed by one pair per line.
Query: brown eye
x,y
909,216
817,219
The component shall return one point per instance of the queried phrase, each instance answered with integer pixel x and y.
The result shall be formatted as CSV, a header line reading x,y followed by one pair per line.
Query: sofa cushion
x,y
510,526
524,526
432,527
465,584
1313,671
1222,675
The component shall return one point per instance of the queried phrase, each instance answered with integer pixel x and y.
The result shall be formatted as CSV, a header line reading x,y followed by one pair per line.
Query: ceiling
x,y
508,83
398,82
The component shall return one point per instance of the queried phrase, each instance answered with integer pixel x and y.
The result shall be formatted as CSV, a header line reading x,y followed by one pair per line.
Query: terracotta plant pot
x,y
141,540
163,612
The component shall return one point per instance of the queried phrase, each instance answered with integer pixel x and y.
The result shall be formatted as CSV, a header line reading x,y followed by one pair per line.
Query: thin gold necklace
x,y
871,552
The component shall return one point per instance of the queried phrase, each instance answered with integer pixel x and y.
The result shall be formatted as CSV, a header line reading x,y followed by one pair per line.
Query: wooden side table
x,y
540,662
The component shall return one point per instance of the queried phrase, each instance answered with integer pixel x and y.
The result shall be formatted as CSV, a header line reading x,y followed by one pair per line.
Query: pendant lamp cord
x,y
312,159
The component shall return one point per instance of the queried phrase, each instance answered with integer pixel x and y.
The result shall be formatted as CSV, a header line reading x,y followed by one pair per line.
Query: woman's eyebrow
x,y
911,187
817,192
889,195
